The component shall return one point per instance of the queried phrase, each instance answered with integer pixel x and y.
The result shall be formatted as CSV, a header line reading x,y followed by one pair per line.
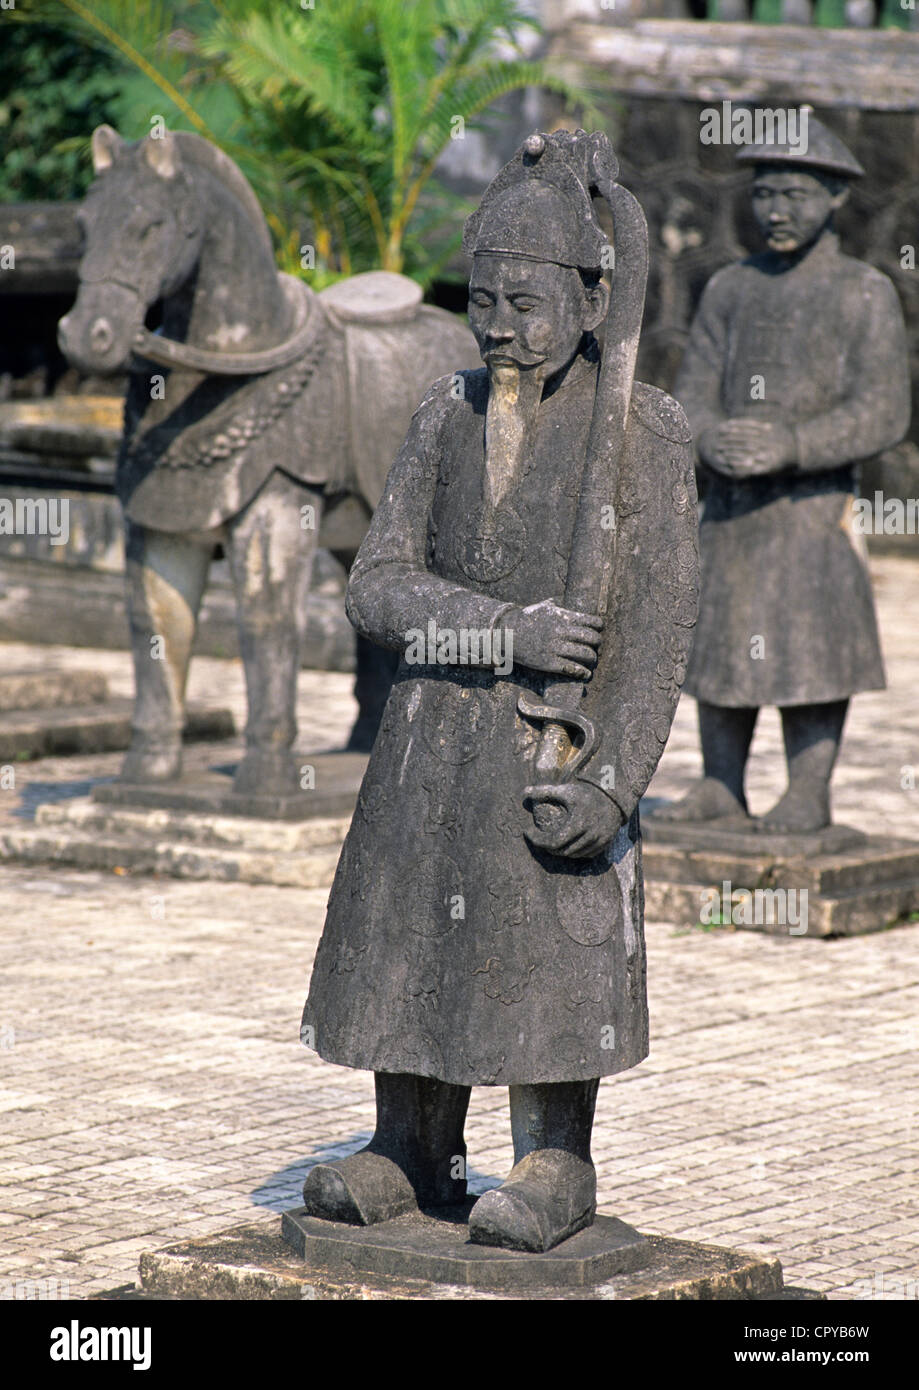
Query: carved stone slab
x,y
336,783
432,1246
254,1262
854,883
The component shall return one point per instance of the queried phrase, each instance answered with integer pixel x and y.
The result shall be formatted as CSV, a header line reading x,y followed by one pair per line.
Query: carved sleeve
x,y
875,414
391,590
699,381
633,694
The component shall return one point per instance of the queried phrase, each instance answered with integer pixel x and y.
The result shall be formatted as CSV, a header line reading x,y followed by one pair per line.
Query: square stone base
x,y
854,883
428,1257
337,780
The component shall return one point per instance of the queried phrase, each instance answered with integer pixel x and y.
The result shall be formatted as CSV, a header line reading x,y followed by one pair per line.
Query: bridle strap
x,y
167,352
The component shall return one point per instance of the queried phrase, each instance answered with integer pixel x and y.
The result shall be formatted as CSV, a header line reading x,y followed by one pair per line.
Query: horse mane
x,y
197,151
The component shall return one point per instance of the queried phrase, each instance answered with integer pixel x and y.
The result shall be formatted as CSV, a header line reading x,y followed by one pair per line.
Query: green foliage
x,y
53,90
337,113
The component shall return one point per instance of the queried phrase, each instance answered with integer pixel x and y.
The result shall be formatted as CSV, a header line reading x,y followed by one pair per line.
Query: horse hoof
x,y
152,764
266,774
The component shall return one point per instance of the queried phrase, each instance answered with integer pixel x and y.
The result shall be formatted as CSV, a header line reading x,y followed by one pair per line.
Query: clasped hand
x,y
574,819
747,448
560,641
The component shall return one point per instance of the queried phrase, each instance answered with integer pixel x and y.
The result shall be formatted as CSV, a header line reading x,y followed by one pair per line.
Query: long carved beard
x,y
513,399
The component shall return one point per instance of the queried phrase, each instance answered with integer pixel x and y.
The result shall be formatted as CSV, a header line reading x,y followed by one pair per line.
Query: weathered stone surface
x,y
237,848
436,1246
865,887
48,245
838,67
254,1262
29,690
100,728
336,781
485,924
795,370
85,608
269,405
81,426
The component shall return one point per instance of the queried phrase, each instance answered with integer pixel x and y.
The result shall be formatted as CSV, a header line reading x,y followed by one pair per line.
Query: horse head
x,y
143,230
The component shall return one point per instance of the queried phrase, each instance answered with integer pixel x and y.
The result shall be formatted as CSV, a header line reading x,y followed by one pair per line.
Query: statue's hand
x,y
748,448
575,819
547,637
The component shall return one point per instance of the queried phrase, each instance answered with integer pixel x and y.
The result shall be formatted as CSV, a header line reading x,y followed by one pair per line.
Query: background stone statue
x,y
795,369
485,925
256,408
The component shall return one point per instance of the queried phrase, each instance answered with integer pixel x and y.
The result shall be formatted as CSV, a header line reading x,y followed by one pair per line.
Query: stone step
x,y
85,815
58,730
856,913
30,690
138,849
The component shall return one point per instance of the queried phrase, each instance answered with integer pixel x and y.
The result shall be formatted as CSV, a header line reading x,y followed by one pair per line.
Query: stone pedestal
x,y
196,828
423,1256
335,777
835,882
55,713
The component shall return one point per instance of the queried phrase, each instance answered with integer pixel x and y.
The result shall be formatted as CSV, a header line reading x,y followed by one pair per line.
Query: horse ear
x,y
161,154
106,143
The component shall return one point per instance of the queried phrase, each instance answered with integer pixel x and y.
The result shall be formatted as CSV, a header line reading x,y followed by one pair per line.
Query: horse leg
x,y
165,578
271,560
375,671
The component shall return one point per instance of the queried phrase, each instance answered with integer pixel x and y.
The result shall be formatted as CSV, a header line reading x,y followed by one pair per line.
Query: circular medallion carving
x,y
458,721
490,544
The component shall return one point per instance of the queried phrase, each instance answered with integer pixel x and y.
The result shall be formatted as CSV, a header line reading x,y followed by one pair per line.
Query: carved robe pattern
x,y
475,958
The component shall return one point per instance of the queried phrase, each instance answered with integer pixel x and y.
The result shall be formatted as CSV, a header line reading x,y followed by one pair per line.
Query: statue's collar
x,y
825,246
582,365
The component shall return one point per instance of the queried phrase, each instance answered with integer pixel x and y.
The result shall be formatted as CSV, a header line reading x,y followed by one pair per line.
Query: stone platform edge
x,y
252,1262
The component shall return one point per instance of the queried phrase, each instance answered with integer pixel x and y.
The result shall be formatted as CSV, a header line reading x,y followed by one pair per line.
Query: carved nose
x,y
101,336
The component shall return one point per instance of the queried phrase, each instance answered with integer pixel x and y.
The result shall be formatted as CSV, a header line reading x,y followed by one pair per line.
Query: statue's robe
x,y
787,615
451,949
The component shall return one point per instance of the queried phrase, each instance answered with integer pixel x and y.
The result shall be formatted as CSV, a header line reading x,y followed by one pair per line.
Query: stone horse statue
x,y
257,410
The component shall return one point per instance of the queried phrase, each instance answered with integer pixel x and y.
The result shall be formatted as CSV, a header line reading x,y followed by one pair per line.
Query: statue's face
x,y
792,207
531,314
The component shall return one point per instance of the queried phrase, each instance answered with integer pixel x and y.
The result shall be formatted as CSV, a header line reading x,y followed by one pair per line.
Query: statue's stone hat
x,y
824,151
539,206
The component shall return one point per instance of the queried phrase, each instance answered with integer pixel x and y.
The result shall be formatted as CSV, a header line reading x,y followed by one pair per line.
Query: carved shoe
x,y
548,1196
362,1189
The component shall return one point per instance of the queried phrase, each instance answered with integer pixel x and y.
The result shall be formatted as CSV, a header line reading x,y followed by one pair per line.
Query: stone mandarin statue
x,y
485,926
795,369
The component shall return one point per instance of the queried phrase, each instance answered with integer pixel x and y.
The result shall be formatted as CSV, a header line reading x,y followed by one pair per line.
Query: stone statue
x,y
539,528
795,369
256,408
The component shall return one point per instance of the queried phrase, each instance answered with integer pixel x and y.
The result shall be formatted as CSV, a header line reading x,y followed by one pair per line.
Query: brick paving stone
x,y
152,1086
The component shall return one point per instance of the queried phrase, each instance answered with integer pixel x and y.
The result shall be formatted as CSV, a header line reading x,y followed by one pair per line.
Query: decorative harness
x,y
238,422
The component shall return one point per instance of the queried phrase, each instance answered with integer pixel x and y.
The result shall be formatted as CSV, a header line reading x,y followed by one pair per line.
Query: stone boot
x,y
547,1197
416,1158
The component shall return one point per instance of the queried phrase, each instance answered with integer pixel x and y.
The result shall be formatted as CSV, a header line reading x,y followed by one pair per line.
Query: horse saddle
x,y
376,297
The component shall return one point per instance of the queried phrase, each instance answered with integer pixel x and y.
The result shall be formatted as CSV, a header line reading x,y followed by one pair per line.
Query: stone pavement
x,y
153,1087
